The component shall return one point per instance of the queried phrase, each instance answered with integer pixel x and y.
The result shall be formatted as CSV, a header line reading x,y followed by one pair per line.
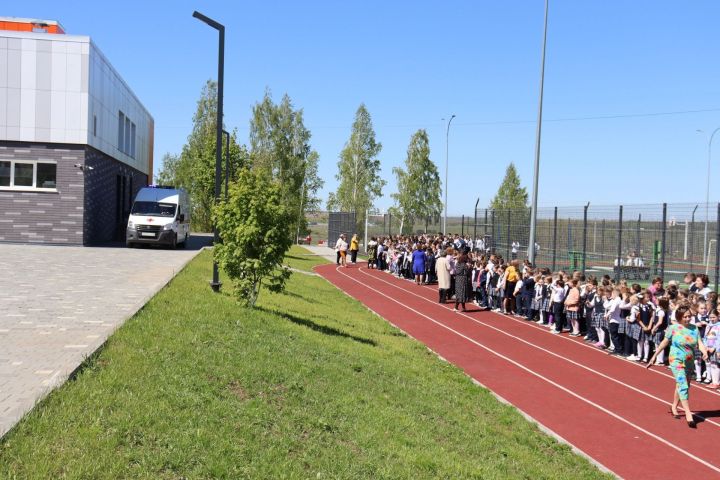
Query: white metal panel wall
x,y
108,95
52,87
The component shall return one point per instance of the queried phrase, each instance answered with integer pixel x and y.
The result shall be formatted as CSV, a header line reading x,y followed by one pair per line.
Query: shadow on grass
x,y
324,329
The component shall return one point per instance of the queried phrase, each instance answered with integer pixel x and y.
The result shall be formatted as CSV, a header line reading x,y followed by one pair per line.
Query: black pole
x,y
584,253
216,284
475,223
662,246
717,249
462,226
508,234
637,235
619,249
389,224
554,256
486,222
492,230
692,238
602,238
227,162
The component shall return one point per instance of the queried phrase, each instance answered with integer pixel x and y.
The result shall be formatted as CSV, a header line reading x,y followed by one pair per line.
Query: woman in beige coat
x,y
442,270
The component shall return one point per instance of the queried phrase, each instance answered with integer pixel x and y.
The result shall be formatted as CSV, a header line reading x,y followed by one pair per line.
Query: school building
x,y
76,144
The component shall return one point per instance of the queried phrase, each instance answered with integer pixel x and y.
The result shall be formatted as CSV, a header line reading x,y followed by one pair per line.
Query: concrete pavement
x,y
59,304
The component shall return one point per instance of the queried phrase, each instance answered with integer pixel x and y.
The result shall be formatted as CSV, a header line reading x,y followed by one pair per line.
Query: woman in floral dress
x,y
683,338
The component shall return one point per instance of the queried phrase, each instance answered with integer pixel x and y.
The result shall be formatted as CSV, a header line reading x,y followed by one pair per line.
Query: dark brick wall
x,y
110,188
35,217
85,208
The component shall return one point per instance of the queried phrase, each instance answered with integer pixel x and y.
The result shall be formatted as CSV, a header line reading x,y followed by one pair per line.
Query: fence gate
x,y
340,222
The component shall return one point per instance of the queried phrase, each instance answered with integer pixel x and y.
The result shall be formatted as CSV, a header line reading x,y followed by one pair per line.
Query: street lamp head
x,y
208,20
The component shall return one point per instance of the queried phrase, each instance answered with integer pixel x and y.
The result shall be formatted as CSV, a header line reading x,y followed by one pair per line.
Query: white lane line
x,y
549,352
535,326
540,376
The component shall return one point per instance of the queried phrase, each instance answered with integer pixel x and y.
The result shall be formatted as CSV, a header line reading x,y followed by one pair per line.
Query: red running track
x,y
613,411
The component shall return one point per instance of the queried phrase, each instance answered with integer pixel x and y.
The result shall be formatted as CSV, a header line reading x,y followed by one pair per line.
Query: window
x,y
23,174
121,132
28,175
46,175
4,174
132,140
126,135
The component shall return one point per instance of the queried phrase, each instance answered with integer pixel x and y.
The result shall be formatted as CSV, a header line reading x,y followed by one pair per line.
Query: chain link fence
x,y
635,242
625,241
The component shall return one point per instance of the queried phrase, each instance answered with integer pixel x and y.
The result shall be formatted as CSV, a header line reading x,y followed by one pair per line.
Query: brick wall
x,y
44,217
84,210
106,212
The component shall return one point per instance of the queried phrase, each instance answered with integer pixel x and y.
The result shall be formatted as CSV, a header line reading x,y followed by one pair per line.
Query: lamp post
x,y
216,284
533,214
447,154
227,161
707,193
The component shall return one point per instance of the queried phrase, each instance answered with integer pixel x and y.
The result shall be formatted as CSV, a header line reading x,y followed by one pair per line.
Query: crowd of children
x,y
624,319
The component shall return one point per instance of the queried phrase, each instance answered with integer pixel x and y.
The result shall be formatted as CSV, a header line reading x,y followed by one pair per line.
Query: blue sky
x,y
414,63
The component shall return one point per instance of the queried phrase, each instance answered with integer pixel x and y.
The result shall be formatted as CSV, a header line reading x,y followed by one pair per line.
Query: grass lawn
x,y
309,385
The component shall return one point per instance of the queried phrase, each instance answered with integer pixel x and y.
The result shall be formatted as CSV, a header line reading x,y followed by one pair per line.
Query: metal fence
x,y
625,241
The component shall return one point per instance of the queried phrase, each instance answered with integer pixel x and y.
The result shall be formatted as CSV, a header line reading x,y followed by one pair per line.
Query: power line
x,y
506,122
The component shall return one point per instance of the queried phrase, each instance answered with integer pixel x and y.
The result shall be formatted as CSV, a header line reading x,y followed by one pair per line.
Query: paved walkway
x,y
59,304
322,251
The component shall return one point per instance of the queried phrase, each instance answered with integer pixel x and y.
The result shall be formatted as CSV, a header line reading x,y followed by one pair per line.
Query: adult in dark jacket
x,y
462,282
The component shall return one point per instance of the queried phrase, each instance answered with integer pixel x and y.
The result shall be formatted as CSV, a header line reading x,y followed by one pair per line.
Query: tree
x,y
169,171
511,211
254,225
194,168
510,195
280,147
418,195
358,170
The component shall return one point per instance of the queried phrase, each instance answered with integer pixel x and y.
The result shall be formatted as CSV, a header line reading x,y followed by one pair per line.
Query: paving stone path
x,y
59,304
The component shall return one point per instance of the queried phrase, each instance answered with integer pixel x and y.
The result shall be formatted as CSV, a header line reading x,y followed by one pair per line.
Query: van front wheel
x,y
173,243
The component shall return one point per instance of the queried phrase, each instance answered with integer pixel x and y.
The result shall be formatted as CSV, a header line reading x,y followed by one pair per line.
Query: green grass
x,y
309,385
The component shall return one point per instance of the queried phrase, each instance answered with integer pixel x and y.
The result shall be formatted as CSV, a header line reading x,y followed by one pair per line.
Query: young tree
x,y
194,168
358,170
254,225
418,195
280,147
510,195
510,205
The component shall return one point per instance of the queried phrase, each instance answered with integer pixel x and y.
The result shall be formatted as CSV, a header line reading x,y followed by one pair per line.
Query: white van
x,y
161,216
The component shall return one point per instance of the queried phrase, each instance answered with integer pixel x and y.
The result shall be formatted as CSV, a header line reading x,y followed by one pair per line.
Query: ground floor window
x,y
28,174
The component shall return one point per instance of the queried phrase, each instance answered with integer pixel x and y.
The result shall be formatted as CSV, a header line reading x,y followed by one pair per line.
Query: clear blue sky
x,y
413,63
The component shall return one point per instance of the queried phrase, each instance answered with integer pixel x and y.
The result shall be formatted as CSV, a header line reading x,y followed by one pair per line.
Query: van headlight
x,y
168,226
131,225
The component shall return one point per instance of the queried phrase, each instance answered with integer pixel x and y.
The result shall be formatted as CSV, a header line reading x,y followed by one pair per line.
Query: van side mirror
x,y
181,218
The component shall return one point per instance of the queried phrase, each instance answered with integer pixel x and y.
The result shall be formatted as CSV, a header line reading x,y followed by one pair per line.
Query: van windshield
x,y
154,208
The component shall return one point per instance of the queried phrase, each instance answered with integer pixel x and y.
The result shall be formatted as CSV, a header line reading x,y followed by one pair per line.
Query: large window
x,y
126,135
28,175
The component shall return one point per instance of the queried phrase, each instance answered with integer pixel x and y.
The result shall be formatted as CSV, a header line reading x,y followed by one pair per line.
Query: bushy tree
x,y
418,195
254,225
280,147
510,195
358,170
510,205
194,168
